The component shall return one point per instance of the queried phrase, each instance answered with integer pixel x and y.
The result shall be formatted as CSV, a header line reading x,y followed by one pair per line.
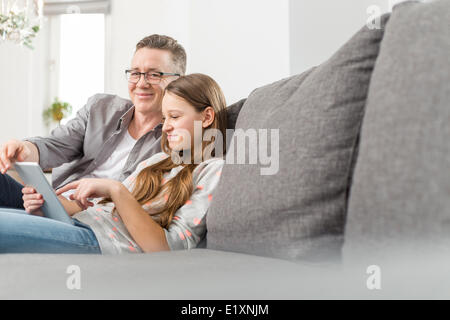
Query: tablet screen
x,y
32,175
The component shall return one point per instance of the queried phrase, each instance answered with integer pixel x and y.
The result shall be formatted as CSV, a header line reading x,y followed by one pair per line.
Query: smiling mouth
x,y
144,95
172,137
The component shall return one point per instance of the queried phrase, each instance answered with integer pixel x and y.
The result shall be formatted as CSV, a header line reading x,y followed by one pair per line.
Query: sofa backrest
x,y
296,208
400,198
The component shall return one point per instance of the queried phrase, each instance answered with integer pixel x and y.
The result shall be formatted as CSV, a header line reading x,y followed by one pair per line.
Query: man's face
x,y
148,97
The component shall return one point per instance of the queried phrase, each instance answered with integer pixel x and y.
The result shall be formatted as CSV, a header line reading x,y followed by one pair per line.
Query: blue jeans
x,y
24,233
10,192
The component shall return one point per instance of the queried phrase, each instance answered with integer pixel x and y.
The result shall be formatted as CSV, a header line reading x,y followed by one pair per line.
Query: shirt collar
x,y
125,120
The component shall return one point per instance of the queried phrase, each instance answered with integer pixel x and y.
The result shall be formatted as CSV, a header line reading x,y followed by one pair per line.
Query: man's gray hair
x,y
156,41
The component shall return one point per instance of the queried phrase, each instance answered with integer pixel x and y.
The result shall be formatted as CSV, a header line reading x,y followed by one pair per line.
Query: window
x,y
81,58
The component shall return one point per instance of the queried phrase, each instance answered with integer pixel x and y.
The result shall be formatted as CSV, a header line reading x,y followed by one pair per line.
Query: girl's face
x,y
179,117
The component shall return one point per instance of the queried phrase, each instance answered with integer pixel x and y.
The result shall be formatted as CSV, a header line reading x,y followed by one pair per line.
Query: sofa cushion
x,y
401,191
299,211
205,274
180,275
233,113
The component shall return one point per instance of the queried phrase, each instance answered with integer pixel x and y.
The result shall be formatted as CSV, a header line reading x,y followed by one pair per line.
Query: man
x,y
110,136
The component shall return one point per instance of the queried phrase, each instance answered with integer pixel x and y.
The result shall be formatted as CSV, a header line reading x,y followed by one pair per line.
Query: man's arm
x,y
65,143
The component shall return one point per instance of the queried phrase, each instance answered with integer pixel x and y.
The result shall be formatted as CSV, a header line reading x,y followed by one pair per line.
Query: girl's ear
x,y
208,117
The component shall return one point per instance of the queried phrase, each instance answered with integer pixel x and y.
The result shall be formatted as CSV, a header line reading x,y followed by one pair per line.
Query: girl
x,y
161,206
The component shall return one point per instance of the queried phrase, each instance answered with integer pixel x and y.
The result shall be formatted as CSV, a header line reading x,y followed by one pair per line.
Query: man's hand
x,y
15,150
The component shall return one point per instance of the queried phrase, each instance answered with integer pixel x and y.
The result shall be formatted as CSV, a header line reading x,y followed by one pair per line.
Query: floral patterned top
x,y
188,226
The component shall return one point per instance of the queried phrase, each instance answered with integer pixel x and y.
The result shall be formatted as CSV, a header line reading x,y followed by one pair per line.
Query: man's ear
x,y
208,117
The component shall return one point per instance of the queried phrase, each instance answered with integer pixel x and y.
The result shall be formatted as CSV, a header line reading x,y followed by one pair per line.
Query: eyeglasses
x,y
152,77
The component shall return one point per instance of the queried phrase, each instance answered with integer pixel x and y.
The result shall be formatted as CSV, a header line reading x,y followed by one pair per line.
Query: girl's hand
x,y
89,188
32,201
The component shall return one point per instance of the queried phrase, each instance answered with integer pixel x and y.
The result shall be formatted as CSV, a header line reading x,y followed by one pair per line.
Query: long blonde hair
x,y
200,91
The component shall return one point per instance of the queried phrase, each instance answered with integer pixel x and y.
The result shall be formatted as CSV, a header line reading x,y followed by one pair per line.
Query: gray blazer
x,y
76,149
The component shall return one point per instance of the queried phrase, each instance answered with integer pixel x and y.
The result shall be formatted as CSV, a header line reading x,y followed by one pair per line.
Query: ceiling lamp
x,y
20,20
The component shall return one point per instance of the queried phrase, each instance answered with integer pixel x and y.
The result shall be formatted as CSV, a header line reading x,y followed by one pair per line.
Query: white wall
x,y
129,22
22,89
318,28
243,44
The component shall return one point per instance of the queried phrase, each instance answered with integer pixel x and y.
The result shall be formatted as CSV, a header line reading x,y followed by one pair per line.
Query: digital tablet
x,y
32,175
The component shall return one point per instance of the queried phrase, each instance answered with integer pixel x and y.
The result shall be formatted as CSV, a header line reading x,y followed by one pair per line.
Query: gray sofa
x,y
358,208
